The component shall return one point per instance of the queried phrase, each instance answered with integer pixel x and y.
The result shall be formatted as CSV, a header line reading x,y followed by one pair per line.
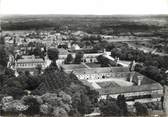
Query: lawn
x,y
93,65
108,84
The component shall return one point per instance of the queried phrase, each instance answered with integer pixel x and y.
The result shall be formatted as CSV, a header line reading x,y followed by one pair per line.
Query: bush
x,y
78,58
56,104
13,106
46,109
141,110
16,92
34,105
109,107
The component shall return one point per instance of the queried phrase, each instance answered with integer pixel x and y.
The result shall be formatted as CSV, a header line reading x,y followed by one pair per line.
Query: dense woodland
x,y
111,25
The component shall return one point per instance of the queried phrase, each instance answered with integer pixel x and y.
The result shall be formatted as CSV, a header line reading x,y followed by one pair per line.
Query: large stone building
x,y
29,64
101,73
114,81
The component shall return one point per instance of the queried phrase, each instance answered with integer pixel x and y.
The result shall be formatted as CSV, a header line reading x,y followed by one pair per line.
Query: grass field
x,y
93,65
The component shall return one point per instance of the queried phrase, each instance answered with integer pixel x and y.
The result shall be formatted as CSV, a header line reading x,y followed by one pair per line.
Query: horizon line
x,y
86,14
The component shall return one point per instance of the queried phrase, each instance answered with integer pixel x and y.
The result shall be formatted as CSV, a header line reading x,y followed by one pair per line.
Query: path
x,y
86,65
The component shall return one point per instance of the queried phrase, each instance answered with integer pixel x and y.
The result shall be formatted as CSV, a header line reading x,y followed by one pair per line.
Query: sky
x,y
84,7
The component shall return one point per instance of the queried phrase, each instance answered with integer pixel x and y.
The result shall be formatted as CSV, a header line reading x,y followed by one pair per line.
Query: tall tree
x,y
39,69
105,62
3,65
78,58
121,102
109,107
3,54
53,54
85,107
69,59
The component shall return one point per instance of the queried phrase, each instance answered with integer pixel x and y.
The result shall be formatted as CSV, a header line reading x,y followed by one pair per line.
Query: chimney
x,y
131,76
140,78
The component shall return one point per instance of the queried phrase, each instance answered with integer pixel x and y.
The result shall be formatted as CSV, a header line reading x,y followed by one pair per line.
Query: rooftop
x,y
101,70
120,90
30,61
71,67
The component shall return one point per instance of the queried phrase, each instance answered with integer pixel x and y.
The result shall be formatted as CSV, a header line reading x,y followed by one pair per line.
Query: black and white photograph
x,y
83,58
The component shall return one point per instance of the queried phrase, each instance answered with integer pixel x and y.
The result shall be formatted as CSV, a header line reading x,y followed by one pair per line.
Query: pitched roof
x,y
119,90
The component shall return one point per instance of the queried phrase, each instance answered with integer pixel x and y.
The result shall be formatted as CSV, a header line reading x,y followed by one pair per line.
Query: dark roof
x,y
119,90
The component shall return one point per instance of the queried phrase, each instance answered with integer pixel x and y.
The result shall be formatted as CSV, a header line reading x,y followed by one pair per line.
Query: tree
x,y
60,112
18,57
32,82
109,107
10,72
37,51
57,104
33,105
53,80
2,40
39,69
11,106
105,62
11,50
53,54
78,58
15,86
3,66
3,55
69,59
16,92
83,98
141,110
153,73
121,102
85,106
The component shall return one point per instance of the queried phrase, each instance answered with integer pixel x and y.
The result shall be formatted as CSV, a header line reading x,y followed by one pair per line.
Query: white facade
x,y
29,63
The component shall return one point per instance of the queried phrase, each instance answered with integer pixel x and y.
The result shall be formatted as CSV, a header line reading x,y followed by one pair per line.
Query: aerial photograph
x,y
83,58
